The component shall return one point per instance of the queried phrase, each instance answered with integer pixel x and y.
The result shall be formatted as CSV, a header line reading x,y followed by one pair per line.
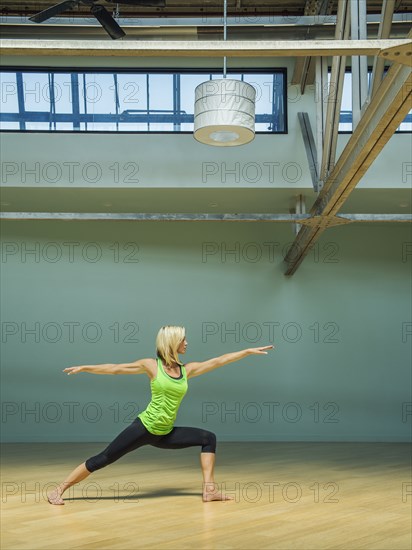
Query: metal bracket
x,y
310,147
398,54
299,209
323,222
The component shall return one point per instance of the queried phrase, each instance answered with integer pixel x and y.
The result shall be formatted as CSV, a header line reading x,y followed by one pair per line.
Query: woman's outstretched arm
x,y
196,369
138,367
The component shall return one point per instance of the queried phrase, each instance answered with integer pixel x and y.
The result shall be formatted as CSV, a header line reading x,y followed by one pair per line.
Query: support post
x,y
359,63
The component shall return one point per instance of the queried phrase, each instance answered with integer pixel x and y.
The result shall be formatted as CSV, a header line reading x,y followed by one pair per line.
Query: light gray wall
x,y
340,370
346,377
276,162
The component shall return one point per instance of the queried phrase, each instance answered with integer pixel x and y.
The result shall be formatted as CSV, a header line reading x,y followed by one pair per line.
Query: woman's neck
x,y
173,366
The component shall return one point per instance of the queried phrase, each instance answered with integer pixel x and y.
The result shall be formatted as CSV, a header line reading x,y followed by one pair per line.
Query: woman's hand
x,y
260,351
73,370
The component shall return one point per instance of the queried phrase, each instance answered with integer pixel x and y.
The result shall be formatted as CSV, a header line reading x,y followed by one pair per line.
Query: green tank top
x,y
167,393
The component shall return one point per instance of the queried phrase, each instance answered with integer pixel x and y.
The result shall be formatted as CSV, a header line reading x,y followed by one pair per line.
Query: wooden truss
x,y
382,113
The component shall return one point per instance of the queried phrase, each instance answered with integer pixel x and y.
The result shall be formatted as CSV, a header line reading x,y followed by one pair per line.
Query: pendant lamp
x,y
224,114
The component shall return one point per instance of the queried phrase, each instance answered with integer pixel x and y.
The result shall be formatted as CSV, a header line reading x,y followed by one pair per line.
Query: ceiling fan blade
x,y
148,3
107,22
53,11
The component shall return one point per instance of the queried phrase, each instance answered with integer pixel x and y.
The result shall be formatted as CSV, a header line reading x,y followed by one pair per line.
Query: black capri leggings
x,y
136,435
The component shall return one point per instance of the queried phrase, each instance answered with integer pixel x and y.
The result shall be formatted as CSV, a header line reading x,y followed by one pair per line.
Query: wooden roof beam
x,y
398,50
380,120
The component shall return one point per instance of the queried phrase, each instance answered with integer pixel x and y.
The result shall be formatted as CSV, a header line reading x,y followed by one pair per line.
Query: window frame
x,y
145,71
349,132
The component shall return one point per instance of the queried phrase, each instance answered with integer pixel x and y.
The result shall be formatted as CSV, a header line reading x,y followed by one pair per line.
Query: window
x,y
125,101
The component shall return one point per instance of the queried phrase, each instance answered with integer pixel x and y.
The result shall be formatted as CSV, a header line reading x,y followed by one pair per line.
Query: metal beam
x,y
299,209
399,50
359,63
321,97
152,217
381,118
205,21
310,147
302,219
334,99
378,218
383,32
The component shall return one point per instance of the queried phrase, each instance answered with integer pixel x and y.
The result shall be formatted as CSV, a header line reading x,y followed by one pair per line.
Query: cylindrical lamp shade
x,y
224,112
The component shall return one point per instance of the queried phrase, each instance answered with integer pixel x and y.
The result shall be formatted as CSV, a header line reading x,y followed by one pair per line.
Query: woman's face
x,y
182,347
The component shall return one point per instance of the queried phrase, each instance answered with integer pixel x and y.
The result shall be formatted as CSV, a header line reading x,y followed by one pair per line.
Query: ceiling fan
x,y
99,12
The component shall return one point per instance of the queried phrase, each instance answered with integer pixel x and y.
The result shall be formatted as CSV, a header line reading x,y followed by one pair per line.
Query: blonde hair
x,y
168,341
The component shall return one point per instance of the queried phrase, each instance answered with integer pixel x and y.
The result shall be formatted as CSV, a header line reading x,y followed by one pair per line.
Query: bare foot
x,y
209,496
55,498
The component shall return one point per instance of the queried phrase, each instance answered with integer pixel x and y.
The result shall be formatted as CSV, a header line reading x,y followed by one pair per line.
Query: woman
x,y
155,425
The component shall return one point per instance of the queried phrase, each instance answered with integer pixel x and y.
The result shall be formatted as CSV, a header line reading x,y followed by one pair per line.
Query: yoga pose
x,y
155,425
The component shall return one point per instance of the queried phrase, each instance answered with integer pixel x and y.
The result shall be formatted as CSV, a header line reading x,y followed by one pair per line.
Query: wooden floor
x,y
287,496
